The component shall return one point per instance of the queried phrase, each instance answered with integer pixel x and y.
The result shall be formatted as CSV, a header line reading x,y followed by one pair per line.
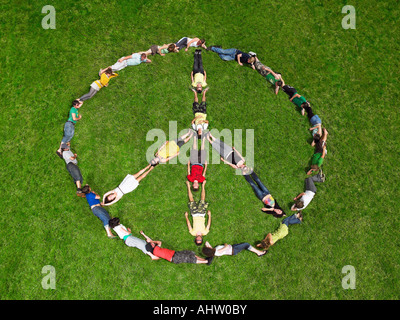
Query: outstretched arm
x,y
188,222
209,220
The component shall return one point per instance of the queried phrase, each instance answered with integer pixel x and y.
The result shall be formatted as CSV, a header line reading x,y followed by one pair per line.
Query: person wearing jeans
x,y
303,199
281,232
262,193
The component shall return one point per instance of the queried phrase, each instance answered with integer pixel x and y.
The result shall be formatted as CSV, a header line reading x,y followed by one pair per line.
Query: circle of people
x,y
197,164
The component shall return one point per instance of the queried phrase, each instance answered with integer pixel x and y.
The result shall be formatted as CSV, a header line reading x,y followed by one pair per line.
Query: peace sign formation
x,y
197,164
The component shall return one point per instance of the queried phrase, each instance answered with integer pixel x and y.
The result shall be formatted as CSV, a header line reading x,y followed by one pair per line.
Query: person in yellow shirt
x,y
170,149
198,74
198,211
199,123
98,84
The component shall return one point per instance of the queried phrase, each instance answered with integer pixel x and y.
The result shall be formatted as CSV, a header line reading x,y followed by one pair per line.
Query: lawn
x,y
350,76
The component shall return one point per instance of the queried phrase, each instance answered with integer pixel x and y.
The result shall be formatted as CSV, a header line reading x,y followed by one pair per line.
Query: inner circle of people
x,y
197,163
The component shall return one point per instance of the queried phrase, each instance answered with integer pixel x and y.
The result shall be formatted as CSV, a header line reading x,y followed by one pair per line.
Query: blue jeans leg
x,y
291,220
260,184
69,130
102,214
259,193
225,54
236,248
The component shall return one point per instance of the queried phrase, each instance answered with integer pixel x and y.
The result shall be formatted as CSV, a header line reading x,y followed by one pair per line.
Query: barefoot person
x,y
197,164
184,256
130,183
170,149
132,60
198,212
302,200
94,204
229,250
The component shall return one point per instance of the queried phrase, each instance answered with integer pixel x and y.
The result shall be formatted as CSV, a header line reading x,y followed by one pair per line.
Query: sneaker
x,y
209,260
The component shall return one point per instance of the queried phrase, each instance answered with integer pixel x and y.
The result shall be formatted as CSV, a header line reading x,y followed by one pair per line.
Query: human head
x,y
199,132
86,189
113,222
198,240
316,137
314,167
171,47
195,185
208,252
251,60
200,42
64,147
143,56
110,197
305,104
155,161
279,83
108,71
76,103
199,88
299,204
265,243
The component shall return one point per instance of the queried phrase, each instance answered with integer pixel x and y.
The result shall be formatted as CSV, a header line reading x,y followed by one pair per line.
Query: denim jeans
x,y
291,220
225,54
102,214
236,248
259,189
69,130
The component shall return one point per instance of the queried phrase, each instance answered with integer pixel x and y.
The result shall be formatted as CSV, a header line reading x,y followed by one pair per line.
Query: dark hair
x,y
199,90
305,104
265,244
106,200
113,222
108,71
279,83
86,189
299,204
208,252
143,55
75,103
198,243
202,41
171,47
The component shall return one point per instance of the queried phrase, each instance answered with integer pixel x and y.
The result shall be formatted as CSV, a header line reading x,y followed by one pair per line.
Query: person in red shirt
x,y
184,256
197,164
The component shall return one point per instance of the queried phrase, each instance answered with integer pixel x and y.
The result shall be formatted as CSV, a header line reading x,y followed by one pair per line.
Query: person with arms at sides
x,y
94,204
130,183
197,164
161,50
319,153
281,232
184,256
229,155
98,84
72,167
198,211
126,235
132,60
170,149
187,42
69,126
234,54
200,122
271,206
198,75
302,200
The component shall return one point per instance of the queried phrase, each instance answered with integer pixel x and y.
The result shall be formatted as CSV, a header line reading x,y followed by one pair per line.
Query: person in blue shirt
x,y
93,200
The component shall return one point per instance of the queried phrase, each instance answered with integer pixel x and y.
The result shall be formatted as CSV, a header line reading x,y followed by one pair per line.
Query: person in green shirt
x,y
69,126
272,77
162,50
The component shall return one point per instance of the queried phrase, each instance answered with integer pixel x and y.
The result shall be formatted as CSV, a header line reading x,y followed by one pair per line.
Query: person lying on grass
x,y
229,250
294,96
162,50
197,164
271,206
92,199
274,78
229,155
126,235
187,42
302,200
71,164
184,256
199,123
281,232
198,212
198,75
319,153
170,149
132,60
233,54
130,183
105,77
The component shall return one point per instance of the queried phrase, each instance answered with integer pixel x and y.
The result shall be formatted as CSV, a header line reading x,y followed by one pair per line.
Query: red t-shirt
x,y
196,173
166,254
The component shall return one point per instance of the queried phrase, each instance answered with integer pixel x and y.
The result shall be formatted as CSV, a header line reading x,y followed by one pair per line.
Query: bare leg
x,y
144,174
141,172
258,252
190,195
203,191
200,260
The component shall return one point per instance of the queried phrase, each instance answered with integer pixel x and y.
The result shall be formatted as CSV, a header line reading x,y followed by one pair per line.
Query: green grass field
x,y
350,76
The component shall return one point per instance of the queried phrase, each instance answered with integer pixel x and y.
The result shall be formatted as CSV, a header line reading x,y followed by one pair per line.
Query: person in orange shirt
x,y
98,84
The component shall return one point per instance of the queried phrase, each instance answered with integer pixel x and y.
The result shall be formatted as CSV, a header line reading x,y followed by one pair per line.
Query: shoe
x,y
59,154
322,175
209,260
263,254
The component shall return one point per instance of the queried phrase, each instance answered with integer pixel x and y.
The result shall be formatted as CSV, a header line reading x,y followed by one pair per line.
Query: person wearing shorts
x,y
199,123
94,204
183,256
198,211
126,235
71,164
130,183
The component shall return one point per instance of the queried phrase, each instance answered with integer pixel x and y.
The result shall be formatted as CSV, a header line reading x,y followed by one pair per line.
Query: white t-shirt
x,y
128,184
121,231
306,198
226,251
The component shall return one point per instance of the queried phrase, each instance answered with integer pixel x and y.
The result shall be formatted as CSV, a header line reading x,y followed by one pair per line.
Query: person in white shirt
x,y
303,199
229,250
